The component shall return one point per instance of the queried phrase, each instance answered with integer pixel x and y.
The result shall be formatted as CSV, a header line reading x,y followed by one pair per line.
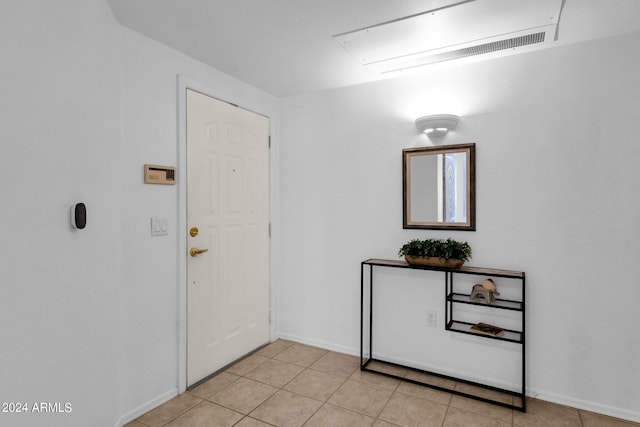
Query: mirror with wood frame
x,y
438,186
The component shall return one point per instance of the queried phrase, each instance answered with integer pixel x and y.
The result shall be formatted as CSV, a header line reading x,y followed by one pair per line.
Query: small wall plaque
x,y
156,174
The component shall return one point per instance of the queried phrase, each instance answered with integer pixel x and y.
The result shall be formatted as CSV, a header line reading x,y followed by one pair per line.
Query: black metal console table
x,y
451,324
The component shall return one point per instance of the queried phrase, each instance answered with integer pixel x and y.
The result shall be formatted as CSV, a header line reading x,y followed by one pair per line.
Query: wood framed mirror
x,y
439,187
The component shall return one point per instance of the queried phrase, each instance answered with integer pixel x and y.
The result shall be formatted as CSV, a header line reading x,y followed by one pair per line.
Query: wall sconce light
x,y
437,125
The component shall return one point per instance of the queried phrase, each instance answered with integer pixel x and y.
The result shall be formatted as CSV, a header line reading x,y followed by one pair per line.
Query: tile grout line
x,y
330,396
446,412
247,415
395,390
183,412
326,401
583,417
282,388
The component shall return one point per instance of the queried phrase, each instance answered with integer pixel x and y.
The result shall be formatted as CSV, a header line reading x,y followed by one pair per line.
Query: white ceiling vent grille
x,y
462,30
480,49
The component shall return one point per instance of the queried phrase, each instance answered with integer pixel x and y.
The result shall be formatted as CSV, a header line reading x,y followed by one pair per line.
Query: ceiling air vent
x,y
462,30
466,52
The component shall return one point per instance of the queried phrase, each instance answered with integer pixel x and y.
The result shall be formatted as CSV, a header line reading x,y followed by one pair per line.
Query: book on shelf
x,y
487,329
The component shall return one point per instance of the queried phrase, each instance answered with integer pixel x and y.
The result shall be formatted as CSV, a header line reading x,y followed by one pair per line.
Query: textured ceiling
x,y
285,47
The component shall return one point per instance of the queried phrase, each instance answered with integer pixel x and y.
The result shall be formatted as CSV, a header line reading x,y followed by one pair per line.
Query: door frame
x,y
183,84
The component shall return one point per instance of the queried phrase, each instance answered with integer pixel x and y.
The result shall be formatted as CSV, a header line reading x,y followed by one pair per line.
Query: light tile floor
x,y
290,384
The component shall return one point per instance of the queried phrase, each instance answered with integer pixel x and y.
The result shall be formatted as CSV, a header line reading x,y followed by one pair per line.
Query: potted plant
x,y
436,252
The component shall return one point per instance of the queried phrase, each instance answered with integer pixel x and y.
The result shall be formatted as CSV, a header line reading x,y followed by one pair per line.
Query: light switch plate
x,y
159,226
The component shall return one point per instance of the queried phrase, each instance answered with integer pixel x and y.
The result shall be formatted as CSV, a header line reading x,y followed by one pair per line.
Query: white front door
x,y
228,205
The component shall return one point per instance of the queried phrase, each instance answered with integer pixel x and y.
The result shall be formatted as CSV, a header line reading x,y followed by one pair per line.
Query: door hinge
x,y
270,316
269,141
269,229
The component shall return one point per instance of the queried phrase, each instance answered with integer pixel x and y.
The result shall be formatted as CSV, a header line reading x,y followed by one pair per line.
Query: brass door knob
x,y
195,251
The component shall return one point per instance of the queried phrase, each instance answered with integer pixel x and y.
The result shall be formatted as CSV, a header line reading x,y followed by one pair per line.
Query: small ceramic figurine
x,y
486,291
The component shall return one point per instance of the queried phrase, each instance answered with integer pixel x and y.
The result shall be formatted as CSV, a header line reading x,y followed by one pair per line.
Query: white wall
x,y
557,175
91,317
59,144
152,317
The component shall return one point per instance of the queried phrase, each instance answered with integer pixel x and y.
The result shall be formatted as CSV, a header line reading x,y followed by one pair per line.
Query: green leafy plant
x,y
438,248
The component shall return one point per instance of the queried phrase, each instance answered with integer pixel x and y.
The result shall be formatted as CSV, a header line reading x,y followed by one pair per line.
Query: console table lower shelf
x,y
458,386
496,396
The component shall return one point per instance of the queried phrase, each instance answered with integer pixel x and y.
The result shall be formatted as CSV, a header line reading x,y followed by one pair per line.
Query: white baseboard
x,y
143,409
354,351
449,372
585,405
538,394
